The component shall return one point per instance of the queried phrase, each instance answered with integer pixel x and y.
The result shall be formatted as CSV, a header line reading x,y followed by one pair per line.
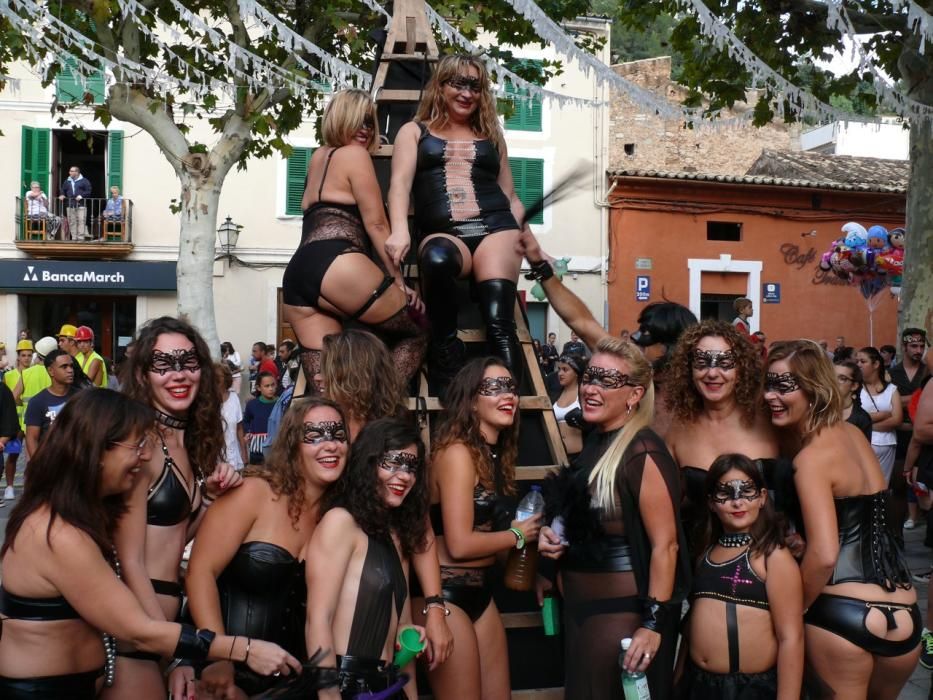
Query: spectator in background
x,y
846,353
91,363
256,416
35,378
37,203
232,415
74,192
549,353
66,339
575,346
849,377
840,342
908,376
760,338
284,362
14,446
744,309
259,363
9,432
48,403
228,353
880,400
113,211
888,354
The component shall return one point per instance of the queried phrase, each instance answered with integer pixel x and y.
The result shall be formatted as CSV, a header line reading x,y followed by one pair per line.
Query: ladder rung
x,y
384,151
408,57
534,473
478,335
398,96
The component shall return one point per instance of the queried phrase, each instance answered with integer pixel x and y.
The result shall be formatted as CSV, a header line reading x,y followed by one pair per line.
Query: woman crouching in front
x,y
863,625
745,630
357,561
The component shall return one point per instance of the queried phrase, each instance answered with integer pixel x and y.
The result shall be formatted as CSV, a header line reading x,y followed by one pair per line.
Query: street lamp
x,y
228,234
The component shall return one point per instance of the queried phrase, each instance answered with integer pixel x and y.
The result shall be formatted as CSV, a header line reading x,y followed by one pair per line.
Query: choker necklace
x,y
170,421
735,539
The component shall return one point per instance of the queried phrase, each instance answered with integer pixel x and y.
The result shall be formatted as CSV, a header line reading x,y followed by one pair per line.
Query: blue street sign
x,y
771,293
642,288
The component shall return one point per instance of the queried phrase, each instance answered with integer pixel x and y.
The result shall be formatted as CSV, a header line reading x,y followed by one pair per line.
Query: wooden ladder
x,y
403,70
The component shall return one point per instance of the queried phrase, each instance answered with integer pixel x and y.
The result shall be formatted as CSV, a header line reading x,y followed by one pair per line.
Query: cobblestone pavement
x,y
918,556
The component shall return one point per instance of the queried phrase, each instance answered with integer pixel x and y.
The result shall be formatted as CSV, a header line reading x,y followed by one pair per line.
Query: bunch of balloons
x,y
871,258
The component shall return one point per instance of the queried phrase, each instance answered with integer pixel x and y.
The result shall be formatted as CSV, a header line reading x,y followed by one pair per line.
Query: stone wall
x,y
638,139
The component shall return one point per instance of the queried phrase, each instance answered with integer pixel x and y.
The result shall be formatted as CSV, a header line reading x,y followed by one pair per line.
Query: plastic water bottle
x,y
634,685
523,563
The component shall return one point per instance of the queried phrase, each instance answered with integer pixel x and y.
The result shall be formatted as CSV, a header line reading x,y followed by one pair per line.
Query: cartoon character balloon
x,y
870,258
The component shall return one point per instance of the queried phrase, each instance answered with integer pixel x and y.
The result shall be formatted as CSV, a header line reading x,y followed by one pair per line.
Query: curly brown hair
x,y
204,437
680,394
283,467
357,490
359,374
458,423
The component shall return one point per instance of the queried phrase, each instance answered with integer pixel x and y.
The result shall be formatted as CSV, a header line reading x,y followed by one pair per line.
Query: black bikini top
x,y
169,502
868,549
732,581
22,608
263,595
382,581
491,511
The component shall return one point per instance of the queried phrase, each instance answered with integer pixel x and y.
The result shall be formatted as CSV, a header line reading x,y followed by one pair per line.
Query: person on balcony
x,y
75,191
113,211
37,209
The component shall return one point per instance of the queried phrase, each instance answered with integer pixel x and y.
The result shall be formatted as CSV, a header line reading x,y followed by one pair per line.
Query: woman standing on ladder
x,y
332,277
452,161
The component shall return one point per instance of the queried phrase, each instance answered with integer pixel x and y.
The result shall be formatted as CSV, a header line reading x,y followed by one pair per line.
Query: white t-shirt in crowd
x,y
232,413
881,402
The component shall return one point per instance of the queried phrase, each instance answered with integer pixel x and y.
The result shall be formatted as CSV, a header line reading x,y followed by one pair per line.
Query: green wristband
x,y
520,543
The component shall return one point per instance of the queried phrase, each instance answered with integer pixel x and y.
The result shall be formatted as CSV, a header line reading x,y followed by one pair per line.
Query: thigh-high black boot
x,y
497,304
440,263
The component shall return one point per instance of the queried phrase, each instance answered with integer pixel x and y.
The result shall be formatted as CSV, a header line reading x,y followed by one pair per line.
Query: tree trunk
x,y
917,290
196,256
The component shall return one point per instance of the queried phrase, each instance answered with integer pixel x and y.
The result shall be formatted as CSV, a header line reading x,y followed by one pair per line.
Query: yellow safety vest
x,y
86,363
35,379
11,379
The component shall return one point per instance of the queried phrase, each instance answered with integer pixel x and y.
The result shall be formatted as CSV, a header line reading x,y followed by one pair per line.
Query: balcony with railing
x,y
92,229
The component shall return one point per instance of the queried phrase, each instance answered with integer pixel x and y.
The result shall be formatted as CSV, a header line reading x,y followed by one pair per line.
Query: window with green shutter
x,y
71,86
296,170
114,160
527,114
36,144
528,176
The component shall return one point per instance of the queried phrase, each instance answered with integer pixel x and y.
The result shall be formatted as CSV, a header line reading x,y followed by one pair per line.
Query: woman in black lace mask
x,y
863,625
624,572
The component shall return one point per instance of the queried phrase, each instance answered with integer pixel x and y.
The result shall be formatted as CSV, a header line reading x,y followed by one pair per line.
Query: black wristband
x,y
654,615
436,599
193,644
540,271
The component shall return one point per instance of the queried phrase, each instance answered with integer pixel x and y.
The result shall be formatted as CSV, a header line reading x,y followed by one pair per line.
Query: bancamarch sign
x,y
115,277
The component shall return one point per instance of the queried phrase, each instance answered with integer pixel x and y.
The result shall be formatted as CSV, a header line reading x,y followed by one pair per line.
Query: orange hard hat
x,y
84,333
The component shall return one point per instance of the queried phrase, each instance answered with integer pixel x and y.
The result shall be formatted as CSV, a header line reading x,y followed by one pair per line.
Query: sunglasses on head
x,y
463,83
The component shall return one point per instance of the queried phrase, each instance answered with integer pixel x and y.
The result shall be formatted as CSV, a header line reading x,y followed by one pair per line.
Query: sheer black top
x,y
595,535
382,585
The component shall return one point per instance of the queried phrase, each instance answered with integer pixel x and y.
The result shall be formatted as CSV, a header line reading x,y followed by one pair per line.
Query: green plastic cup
x,y
411,645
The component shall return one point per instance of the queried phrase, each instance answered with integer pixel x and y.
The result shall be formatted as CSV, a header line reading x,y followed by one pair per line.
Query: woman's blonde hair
x,y
433,108
640,374
344,116
817,379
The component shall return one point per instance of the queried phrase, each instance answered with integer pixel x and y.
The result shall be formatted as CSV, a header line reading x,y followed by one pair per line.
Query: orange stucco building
x,y
702,240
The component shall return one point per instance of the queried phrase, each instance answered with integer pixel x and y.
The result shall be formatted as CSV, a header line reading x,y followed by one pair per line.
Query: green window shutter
x,y
527,114
70,86
35,157
114,160
528,176
296,170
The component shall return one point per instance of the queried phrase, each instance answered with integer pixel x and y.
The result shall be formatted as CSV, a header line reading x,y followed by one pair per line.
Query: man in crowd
x,y
91,363
575,346
35,378
66,339
549,353
260,363
48,403
75,191
908,376
284,362
14,446
888,355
